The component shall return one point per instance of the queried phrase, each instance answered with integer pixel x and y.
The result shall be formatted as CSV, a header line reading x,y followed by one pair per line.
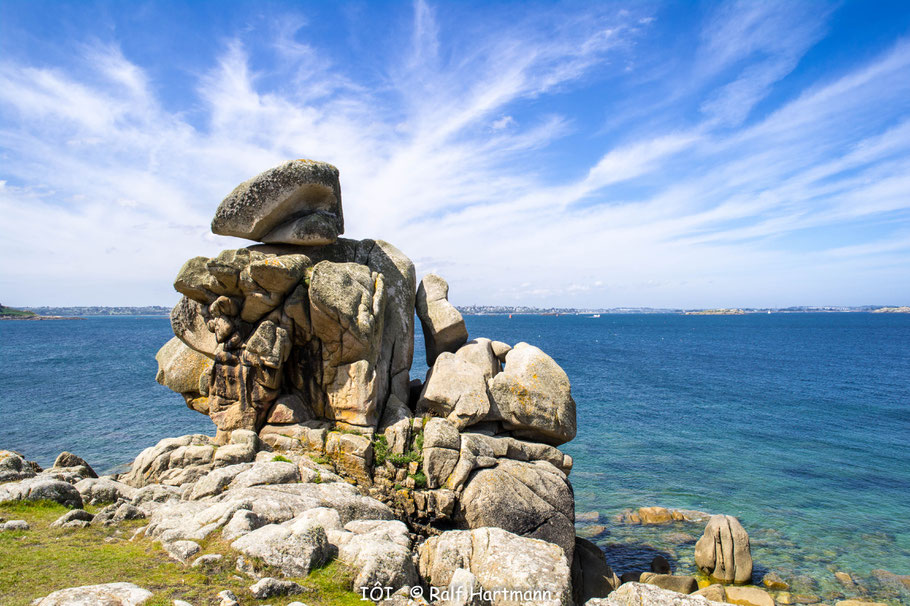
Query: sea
x,y
797,424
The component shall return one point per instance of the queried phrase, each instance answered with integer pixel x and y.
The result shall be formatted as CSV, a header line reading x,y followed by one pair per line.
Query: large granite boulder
x,y
535,570
298,202
188,321
294,549
532,396
177,461
531,499
443,325
457,390
378,550
723,551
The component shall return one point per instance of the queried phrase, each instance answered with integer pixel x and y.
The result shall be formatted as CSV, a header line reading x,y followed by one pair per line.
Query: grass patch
x,y
320,459
380,450
281,458
36,562
420,479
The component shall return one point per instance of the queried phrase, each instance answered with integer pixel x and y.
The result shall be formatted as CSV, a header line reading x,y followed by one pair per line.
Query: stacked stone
x,y
306,327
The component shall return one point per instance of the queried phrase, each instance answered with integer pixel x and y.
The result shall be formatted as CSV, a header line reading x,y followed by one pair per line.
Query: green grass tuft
x,y
281,458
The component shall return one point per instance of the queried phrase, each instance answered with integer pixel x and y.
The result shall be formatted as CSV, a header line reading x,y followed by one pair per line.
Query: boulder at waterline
x,y
748,596
677,583
592,577
723,551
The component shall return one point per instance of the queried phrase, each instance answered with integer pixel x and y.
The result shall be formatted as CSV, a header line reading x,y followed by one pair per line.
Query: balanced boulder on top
x,y
298,202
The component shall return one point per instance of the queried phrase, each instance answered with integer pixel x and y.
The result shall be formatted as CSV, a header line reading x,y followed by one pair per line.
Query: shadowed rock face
x,y
298,202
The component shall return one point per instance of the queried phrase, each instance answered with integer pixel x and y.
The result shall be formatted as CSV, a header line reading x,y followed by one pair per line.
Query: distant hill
x,y
11,312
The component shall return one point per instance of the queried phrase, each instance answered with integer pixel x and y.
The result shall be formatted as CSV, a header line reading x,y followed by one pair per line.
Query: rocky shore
x,y
448,489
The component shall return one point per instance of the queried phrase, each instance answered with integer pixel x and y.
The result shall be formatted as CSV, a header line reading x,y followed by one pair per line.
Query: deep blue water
x,y
797,424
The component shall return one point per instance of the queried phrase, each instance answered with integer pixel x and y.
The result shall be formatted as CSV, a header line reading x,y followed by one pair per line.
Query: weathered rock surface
x,y
660,515
379,550
294,549
457,390
723,551
182,551
110,594
528,499
323,333
14,525
677,583
298,202
443,325
39,489
13,466
268,587
76,515
176,461
636,594
532,396
103,490
68,460
499,560
748,596
185,371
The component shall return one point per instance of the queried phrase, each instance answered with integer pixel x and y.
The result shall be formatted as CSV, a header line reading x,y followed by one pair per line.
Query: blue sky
x,y
572,154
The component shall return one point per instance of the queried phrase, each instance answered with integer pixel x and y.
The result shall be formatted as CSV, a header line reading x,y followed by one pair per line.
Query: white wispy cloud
x,y
454,152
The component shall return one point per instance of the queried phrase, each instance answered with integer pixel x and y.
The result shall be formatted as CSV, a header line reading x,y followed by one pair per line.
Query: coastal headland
x,y
333,475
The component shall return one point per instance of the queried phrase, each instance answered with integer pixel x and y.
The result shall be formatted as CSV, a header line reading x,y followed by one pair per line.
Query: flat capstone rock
x,y
298,202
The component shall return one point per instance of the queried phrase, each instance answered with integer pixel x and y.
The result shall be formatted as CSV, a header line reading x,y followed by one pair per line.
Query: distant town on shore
x,y
71,312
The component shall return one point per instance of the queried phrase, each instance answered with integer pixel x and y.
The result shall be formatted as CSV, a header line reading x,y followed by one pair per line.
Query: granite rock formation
x,y
302,343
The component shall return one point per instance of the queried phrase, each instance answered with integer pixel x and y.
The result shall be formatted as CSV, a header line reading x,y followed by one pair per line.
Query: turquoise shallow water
x,y
797,424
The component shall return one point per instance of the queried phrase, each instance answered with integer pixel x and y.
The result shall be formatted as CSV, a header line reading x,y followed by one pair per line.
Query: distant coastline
x,y
499,310
99,310
80,312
